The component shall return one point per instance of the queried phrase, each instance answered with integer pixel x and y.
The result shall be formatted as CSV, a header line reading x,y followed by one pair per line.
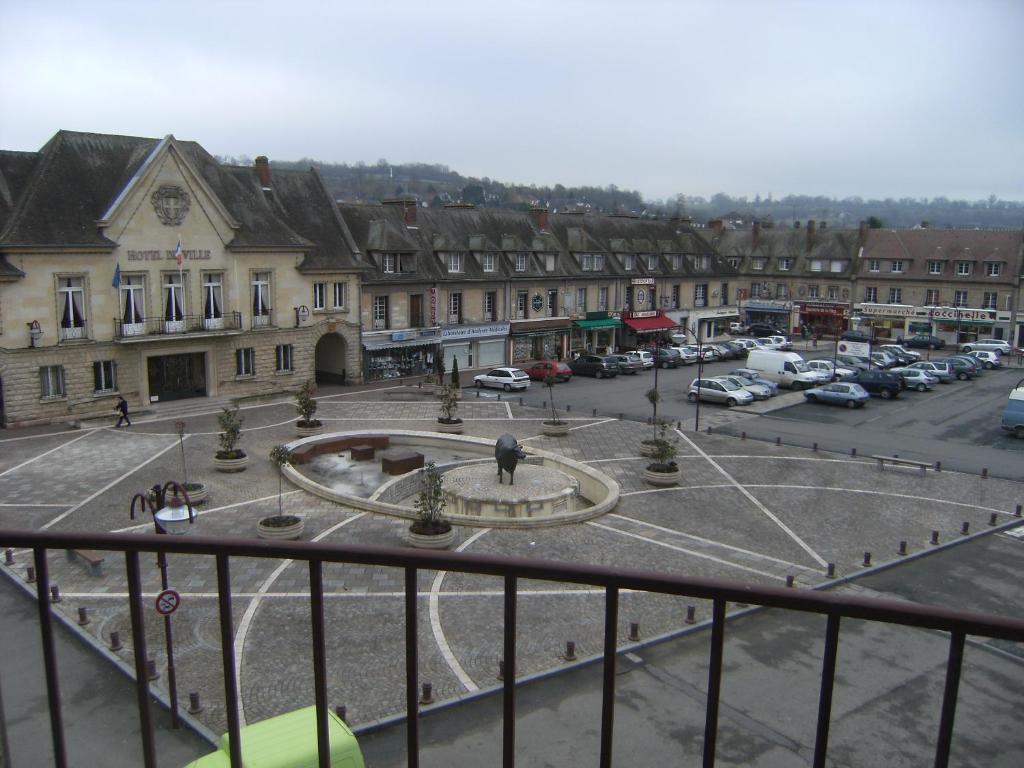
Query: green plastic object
x,y
288,741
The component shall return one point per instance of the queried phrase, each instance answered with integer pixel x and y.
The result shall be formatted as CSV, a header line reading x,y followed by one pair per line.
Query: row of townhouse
x,y
144,268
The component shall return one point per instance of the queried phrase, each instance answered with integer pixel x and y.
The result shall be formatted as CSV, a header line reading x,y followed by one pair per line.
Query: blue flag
x,y
116,282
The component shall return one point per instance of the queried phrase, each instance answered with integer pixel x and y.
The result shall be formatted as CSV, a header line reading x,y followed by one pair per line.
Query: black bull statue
x,y
507,453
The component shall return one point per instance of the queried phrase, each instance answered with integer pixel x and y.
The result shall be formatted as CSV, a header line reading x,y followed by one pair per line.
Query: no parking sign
x,y
167,602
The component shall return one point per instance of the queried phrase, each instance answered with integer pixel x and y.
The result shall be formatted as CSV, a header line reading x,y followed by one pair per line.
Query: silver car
x,y
917,379
825,366
942,371
718,391
759,391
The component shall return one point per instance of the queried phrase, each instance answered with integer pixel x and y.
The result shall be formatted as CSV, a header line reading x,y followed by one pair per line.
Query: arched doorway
x,y
329,359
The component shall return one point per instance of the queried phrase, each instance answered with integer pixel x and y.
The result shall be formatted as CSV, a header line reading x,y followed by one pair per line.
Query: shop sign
x,y
642,281
645,313
823,308
475,331
888,310
433,306
403,335
958,313
428,334
768,306
601,315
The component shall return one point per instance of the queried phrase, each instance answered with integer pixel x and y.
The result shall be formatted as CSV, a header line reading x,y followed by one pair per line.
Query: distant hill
x,y
435,185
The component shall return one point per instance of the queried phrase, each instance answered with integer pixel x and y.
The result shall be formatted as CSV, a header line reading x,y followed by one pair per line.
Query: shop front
x,y
954,325
541,339
597,333
644,328
475,346
776,313
821,318
713,323
394,354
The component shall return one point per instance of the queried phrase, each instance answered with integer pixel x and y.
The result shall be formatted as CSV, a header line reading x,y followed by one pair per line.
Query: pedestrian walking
x,y
122,409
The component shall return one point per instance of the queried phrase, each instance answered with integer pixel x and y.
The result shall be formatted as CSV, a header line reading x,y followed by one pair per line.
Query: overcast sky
x,y
886,98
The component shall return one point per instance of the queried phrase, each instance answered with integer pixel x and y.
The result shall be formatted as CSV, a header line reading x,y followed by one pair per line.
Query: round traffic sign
x,y
167,602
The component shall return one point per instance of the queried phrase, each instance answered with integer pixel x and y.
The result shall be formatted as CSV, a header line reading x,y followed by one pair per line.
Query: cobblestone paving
x,y
745,510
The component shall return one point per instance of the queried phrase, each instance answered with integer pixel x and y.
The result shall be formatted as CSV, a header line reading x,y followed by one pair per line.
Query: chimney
x,y
263,171
755,235
810,234
539,217
862,233
717,226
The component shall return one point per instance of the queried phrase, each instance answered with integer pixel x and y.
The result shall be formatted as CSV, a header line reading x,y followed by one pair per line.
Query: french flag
x,y
179,255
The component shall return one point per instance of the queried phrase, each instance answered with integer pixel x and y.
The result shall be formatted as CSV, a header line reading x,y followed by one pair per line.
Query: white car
x,y
645,357
987,358
764,342
825,366
992,345
688,356
708,353
781,342
503,378
746,343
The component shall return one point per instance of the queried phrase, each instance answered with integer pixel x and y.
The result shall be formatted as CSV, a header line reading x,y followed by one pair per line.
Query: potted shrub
x,y
230,458
448,421
664,470
553,427
196,491
430,530
456,380
648,447
305,406
280,526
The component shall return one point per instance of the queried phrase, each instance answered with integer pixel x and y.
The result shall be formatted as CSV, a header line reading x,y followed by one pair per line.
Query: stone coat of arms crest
x,y
171,204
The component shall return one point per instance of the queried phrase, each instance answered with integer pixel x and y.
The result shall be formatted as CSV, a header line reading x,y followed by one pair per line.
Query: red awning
x,y
648,324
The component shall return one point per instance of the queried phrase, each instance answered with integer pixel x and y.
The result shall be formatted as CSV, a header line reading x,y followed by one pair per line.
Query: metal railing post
x,y
139,645
316,605
611,627
60,758
412,722
227,654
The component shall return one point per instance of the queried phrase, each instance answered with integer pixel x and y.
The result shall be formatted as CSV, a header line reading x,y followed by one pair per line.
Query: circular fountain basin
x,y
539,491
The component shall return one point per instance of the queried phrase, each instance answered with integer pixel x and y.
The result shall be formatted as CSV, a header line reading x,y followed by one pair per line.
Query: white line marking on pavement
x,y
108,486
435,621
508,409
621,458
47,453
789,532
884,493
214,509
587,426
707,541
677,488
250,613
17,506
47,434
685,551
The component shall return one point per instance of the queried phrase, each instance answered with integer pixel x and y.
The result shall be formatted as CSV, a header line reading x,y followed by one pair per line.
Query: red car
x,y
537,371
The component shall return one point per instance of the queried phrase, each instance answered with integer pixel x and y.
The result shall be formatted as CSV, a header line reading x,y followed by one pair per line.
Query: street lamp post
x,y
171,516
700,372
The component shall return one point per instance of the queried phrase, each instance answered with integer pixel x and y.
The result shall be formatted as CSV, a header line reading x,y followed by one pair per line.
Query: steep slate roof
x,y
61,192
776,243
916,247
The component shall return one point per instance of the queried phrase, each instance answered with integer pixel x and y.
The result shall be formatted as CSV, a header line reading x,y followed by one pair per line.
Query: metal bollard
x,y
595,412
743,435
478,394
778,440
342,712
867,559
544,404
935,537
9,556
709,430
679,425
115,641
902,549
499,397
194,705
568,408
938,466
789,579
830,570
570,651
984,473
620,417
814,447
520,401
83,616
151,671
30,572
1016,512
634,631
853,452
501,669
691,614
965,528
427,694
992,519
55,594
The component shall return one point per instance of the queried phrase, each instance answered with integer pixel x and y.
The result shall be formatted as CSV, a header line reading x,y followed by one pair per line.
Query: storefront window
x,y
399,361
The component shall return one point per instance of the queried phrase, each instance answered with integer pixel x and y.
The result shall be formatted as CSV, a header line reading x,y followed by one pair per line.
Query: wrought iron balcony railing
x,y
159,326
834,606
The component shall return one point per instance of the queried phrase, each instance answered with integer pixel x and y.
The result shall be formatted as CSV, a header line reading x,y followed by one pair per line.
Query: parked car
x,y
503,378
759,391
630,364
666,357
758,330
1013,413
882,383
594,365
848,393
881,359
726,351
855,336
747,344
782,342
686,355
645,357
917,378
787,368
923,341
539,370
707,352
941,371
970,360
825,366
904,355
718,391
961,368
992,345
757,378
851,361
987,358
763,342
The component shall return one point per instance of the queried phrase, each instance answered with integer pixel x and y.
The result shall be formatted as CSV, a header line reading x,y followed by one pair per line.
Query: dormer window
x,y
521,262
734,262
874,265
934,267
677,262
757,265
963,268
628,262
549,262
993,269
592,262
397,262
455,261
785,264
897,265
389,261
487,262
652,262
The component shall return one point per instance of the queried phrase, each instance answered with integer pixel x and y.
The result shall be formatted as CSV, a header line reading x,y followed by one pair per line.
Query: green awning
x,y
605,322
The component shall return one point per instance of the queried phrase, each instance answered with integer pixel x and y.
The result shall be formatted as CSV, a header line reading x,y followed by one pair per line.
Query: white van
x,y
786,368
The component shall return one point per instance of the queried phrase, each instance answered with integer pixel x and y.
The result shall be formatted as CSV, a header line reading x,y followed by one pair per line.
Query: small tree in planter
x,y
306,406
230,458
647,447
555,426
196,491
663,470
448,398
456,381
430,529
280,526
279,456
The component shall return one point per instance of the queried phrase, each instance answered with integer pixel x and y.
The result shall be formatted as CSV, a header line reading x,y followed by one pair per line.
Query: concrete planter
x,y
648,450
197,492
231,465
430,540
302,431
454,428
293,531
555,429
662,479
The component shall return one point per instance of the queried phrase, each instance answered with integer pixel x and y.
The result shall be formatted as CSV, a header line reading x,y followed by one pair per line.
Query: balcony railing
x,y
159,326
834,606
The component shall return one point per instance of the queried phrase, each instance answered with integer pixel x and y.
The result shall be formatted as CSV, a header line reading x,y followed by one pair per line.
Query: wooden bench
x,y
924,466
90,556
